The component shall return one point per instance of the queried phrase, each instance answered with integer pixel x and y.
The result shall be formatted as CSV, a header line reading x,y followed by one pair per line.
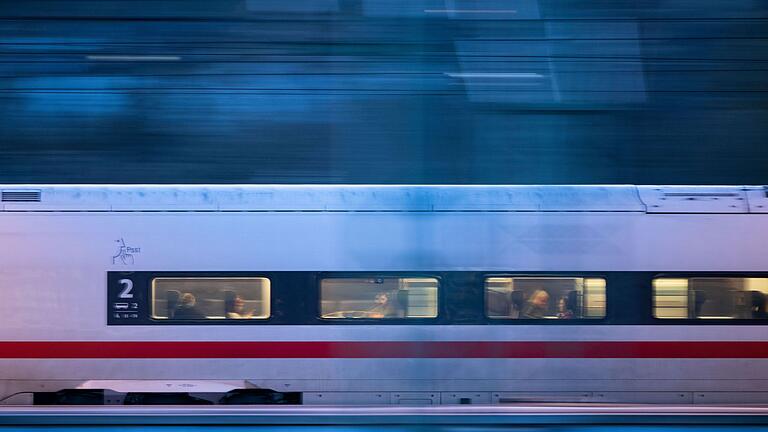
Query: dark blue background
x,y
385,91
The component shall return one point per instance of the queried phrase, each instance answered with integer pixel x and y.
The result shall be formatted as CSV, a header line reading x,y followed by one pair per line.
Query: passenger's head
x,y
238,304
381,298
188,300
540,298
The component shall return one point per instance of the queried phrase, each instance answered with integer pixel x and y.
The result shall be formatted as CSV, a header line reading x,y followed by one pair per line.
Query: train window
x,y
544,297
204,298
710,298
379,297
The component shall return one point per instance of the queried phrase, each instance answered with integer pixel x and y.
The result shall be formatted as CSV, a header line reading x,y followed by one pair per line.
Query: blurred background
x,y
384,91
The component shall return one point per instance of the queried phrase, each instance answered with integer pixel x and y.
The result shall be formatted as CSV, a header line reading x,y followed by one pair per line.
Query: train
x,y
383,294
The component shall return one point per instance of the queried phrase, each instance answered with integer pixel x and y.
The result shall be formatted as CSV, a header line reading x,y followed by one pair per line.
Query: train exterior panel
x,y
62,246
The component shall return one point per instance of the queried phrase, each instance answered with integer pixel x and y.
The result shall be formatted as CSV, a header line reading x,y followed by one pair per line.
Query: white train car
x,y
383,294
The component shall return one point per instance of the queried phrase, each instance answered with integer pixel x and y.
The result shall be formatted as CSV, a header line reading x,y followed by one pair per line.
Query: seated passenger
x,y
236,309
698,303
758,305
188,310
562,309
384,307
537,305
568,306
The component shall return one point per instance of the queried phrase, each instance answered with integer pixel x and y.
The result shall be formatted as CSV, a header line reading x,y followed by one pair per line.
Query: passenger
x,y
537,306
383,308
758,305
516,304
563,311
765,305
568,307
187,309
698,302
236,310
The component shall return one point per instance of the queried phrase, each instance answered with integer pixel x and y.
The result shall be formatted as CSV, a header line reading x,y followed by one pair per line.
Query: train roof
x,y
384,198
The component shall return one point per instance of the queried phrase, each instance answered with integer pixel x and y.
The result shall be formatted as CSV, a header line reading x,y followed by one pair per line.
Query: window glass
x,y
710,298
380,297
210,298
544,297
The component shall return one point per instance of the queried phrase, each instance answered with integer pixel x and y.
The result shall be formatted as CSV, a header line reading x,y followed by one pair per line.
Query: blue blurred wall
x,y
386,91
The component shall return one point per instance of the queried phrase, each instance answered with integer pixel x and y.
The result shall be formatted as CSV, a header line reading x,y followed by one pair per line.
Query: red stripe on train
x,y
360,350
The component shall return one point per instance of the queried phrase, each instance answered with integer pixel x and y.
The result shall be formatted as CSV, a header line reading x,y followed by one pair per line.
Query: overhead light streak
x,y
471,11
133,57
507,75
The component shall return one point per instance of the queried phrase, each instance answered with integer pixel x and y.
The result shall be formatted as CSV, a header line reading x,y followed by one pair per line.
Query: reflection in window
x,y
710,298
381,297
210,298
544,297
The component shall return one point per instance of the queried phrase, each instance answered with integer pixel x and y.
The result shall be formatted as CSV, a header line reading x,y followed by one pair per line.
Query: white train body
x,y
58,247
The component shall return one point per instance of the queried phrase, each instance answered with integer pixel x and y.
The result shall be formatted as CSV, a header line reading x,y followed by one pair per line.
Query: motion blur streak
x,y
409,428
133,58
384,91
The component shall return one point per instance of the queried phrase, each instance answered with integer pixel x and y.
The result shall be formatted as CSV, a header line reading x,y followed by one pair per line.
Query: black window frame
x,y
280,294
151,298
701,321
606,319
295,298
439,319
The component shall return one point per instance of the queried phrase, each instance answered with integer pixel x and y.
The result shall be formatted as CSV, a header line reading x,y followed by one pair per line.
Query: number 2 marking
x,y
127,287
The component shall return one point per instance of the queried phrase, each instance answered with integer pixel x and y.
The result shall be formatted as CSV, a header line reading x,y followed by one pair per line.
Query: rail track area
x,y
454,419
